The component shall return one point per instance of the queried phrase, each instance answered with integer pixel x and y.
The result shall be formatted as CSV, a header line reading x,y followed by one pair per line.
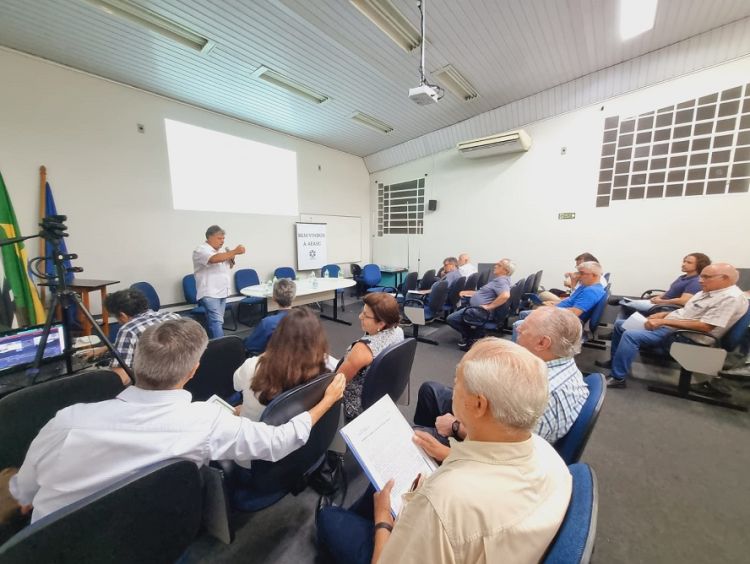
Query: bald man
x,y
464,265
714,310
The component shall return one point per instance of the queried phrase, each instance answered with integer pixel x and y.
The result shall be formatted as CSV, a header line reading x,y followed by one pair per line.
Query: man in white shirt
x,y
211,267
464,265
87,447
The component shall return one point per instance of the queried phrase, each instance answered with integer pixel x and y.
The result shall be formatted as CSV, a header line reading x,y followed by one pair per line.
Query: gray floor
x,y
673,474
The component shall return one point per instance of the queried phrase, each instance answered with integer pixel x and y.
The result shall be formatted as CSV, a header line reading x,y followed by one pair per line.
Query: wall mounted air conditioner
x,y
501,144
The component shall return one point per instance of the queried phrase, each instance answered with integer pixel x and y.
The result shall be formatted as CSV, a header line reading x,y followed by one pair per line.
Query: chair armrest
x,y
475,316
683,336
650,293
661,309
414,302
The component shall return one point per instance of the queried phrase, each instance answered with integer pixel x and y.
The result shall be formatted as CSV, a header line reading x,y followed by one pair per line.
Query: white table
x,y
308,291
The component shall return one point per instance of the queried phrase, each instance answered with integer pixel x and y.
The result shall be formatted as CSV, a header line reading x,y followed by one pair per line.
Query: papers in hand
x,y
635,322
381,441
218,401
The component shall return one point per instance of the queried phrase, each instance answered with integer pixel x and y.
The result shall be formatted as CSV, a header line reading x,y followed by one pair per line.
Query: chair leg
x,y
232,317
682,390
415,334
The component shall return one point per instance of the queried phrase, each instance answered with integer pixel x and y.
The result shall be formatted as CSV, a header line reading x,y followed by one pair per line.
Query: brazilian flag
x,y
20,304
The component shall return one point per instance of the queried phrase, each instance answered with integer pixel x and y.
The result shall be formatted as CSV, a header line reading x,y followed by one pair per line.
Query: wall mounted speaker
x,y
432,205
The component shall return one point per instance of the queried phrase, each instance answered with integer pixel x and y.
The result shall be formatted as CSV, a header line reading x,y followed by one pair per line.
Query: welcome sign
x,y
311,246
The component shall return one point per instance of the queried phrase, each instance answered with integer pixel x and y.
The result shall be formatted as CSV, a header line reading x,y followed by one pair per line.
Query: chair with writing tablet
x,y
427,280
151,515
574,541
421,313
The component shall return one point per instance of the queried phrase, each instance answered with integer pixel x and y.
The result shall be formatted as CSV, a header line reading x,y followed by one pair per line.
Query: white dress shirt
x,y
87,447
211,278
467,269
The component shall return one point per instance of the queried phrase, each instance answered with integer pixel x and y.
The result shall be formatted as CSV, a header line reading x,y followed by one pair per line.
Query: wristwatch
x,y
454,429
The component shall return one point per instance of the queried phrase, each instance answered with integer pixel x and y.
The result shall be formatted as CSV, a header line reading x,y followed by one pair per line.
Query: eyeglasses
x,y
364,315
707,276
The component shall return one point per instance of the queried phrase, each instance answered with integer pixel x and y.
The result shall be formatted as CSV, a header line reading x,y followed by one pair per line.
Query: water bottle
x,y
314,280
341,273
326,274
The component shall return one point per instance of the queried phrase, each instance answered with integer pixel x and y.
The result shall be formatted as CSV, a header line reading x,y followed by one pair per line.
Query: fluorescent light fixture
x,y
152,21
280,81
454,81
636,17
391,22
371,122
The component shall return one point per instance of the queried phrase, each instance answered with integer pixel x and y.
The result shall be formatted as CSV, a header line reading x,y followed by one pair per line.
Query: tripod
x,y
53,231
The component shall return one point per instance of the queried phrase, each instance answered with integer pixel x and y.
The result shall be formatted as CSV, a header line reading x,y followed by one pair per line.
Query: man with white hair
x,y
489,297
89,446
499,496
553,335
464,265
714,310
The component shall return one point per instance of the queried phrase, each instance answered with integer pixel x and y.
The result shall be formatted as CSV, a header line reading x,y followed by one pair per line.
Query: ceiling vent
x,y
501,144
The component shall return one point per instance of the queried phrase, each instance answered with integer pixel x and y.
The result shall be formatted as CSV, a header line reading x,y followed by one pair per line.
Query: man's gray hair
x,y
167,352
513,380
451,260
213,230
563,327
590,266
509,265
284,292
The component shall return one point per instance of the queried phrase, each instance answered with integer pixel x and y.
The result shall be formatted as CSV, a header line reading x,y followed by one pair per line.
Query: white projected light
x,y
636,17
213,171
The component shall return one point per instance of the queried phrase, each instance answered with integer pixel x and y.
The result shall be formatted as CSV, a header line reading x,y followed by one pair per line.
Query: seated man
x,y
714,309
552,334
464,265
130,307
284,291
679,292
499,496
450,271
570,281
584,298
490,296
87,447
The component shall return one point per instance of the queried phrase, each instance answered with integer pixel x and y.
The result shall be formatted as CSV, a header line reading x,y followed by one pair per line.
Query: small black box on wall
x,y
432,205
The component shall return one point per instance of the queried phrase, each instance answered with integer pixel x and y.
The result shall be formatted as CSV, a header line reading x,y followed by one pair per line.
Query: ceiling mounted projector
x,y
423,95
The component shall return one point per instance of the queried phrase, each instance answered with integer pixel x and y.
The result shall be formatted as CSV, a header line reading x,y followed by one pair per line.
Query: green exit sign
x,y
566,215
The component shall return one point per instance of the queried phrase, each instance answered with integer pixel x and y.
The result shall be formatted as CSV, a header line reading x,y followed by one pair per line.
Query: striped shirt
x,y
567,394
128,335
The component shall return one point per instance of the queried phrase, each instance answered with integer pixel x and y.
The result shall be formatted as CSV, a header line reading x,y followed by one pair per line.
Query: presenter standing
x,y
211,267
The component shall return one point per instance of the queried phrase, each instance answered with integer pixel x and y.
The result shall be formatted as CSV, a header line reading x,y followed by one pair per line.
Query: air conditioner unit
x,y
501,144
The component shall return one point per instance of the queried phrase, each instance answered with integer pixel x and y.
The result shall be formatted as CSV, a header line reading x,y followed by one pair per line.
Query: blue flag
x,y
51,209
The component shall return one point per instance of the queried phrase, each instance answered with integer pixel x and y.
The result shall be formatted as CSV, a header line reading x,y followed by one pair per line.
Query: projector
x,y
423,95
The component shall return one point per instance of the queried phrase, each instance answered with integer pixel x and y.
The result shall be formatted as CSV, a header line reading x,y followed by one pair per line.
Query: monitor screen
x,y
18,347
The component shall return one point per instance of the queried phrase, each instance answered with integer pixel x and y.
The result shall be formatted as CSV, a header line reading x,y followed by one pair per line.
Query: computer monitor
x,y
18,347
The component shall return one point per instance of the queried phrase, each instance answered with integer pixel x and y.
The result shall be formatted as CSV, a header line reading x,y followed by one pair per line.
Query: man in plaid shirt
x,y
131,309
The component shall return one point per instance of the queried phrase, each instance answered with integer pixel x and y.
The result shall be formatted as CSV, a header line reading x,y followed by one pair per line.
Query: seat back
x,y
571,446
428,279
371,274
454,291
285,272
356,270
150,292
528,283
471,281
332,270
151,516
483,278
596,313
214,375
537,282
245,277
410,282
389,372
732,338
190,289
516,294
286,474
574,541
438,297
25,412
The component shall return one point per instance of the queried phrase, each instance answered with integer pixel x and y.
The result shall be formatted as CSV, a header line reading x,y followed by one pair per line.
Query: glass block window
x,y
401,208
695,148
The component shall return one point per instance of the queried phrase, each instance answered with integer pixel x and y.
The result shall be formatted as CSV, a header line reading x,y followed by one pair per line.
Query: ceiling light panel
x,y
143,17
391,22
636,17
454,81
280,81
371,122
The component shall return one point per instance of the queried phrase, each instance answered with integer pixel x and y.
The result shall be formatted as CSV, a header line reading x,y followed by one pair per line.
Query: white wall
x,y
113,182
508,206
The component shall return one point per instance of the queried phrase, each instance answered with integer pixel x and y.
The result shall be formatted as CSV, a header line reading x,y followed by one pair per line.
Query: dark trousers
x,y
434,399
348,535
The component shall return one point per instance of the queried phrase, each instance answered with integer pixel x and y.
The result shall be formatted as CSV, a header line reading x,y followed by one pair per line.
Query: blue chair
x,y
150,292
451,303
333,272
571,446
151,515
369,277
493,321
285,272
268,482
681,339
191,296
594,318
243,278
574,541
421,313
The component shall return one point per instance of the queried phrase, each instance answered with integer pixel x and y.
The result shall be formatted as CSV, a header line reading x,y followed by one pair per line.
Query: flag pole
x,y
42,213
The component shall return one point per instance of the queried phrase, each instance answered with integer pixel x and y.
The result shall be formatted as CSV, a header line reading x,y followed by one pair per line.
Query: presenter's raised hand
x,y
239,250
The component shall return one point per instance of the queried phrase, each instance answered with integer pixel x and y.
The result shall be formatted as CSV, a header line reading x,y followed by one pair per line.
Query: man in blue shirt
x,y
450,271
284,292
489,297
